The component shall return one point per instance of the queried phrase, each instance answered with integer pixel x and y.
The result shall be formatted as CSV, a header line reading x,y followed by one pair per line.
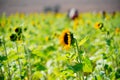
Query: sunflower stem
x,y
28,62
5,50
18,60
79,56
27,56
1,74
80,73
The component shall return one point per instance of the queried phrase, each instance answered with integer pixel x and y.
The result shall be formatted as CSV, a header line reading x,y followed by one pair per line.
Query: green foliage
x,y
2,58
30,49
87,68
37,75
77,67
83,41
39,67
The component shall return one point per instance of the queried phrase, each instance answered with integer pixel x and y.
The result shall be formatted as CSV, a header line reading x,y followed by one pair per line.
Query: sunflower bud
x,y
18,30
25,29
13,37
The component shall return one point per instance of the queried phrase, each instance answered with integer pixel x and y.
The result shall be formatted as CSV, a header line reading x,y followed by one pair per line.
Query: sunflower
x,y
13,37
98,25
117,30
66,39
18,30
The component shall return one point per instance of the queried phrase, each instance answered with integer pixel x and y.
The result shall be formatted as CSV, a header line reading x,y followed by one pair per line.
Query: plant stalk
x,y
5,50
28,62
19,61
80,73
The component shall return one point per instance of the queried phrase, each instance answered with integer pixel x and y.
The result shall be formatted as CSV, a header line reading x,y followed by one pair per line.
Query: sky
x,y
29,6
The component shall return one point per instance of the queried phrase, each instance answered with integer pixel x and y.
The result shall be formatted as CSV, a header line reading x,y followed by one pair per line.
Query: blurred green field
x,y
30,47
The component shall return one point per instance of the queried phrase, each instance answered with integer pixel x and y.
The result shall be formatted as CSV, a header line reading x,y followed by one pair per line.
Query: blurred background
x,y
31,6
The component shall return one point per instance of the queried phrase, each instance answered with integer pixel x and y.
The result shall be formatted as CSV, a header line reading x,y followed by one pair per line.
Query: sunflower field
x,y
49,46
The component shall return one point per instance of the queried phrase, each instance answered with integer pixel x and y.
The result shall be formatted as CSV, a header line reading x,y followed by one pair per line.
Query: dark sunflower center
x,y
100,25
66,38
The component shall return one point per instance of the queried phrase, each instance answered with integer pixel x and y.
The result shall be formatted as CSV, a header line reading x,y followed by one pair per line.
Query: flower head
x,y
66,39
13,37
117,30
98,25
18,30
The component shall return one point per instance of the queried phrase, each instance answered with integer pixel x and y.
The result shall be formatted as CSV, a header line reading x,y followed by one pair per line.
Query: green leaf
x,y
2,58
106,66
77,67
12,56
40,67
117,74
108,42
98,77
67,72
36,75
104,56
83,41
87,65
